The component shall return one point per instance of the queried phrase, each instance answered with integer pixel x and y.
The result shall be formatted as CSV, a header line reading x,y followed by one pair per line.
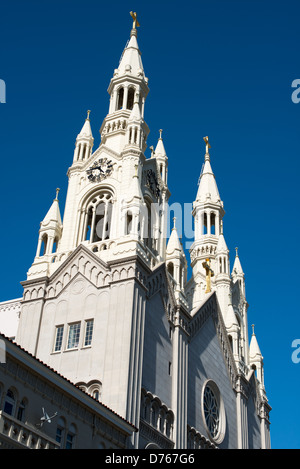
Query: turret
x,y
208,212
50,230
256,359
84,142
161,158
176,262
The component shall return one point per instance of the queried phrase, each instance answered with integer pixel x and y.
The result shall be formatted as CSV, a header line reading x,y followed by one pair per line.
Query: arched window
x,y
170,268
55,244
120,98
128,223
205,223
9,404
130,99
213,224
98,224
44,245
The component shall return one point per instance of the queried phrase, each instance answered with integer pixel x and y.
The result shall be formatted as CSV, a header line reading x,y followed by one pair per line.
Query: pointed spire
x,y
230,317
174,241
221,246
86,130
207,186
53,214
237,268
160,149
254,350
135,115
131,61
135,190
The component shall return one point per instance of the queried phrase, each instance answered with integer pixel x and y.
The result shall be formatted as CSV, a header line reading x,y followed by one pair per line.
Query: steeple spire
x,y
128,89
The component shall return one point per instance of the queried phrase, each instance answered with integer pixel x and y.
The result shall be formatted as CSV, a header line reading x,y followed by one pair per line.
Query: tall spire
x,y
128,89
131,61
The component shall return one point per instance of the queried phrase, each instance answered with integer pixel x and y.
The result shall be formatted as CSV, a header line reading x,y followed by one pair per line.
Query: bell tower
x,y
208,212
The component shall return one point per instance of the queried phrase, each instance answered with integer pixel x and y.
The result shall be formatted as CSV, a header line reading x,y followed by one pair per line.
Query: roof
x,y
66,380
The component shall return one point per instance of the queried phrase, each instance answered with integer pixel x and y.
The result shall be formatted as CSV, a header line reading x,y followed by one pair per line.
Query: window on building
x,y
98,224
58,338
120,98
44,245
9,404
21,411
130,99
70,440
89,325
128,223
60,431
74,334
55,244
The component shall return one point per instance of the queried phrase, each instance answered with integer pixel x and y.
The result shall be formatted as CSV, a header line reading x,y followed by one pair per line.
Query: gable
x,y
210,309
210,359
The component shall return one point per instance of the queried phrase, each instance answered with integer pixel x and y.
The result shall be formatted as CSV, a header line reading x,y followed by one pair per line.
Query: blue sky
x,y
222,68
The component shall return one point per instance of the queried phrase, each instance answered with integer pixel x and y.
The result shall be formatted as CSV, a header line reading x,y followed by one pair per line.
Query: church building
x,y
107,303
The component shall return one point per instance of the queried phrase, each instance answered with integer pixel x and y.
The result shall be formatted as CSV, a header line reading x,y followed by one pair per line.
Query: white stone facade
x,y
107,303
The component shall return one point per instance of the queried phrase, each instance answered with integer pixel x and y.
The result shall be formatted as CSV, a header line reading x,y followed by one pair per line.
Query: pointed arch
x,y
96,216
120,98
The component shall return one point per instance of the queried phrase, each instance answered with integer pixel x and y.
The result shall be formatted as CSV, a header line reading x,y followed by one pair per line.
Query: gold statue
x,y
209,274
136,24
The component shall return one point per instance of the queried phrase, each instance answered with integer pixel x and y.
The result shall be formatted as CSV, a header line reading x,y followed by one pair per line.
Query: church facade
x,y
107,303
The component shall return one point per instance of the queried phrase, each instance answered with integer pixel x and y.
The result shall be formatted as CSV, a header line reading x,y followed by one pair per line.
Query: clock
x,y
100,170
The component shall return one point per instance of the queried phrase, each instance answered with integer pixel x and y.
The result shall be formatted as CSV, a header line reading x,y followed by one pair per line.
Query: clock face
x,y
100,170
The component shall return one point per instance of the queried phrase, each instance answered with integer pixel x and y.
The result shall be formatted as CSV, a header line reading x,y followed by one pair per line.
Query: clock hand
x,y
96,167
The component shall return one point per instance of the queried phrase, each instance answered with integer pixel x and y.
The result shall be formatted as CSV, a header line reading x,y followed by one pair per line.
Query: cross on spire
x,y
207,145
136,24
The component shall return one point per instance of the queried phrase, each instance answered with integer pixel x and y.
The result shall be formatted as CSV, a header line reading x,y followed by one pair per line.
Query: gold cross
x,y
207,144
209,274
135,21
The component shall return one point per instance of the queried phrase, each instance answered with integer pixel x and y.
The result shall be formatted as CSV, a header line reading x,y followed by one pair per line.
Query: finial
x,y
174,221
236,252
252,325
136,24
207,148
57,191
152,151
88,115
160,132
